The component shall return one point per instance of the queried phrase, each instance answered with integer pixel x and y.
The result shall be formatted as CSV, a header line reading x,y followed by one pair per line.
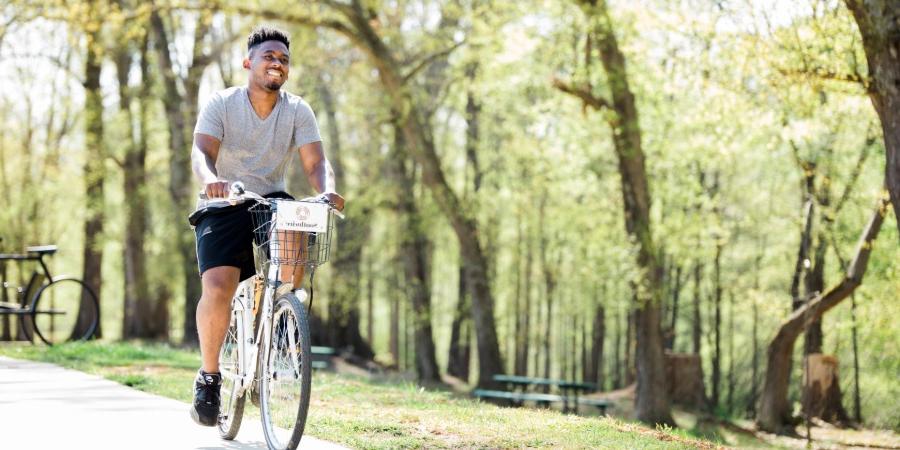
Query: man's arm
x,y
319,172
203,162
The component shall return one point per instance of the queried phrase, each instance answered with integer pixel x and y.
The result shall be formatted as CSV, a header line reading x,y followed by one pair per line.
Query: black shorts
x,y
225,237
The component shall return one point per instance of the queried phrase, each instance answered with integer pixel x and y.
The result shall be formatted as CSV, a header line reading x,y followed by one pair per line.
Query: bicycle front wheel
x,y
285,380
231,366
65,309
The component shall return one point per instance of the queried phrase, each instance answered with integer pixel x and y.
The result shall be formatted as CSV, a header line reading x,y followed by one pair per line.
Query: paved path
x,y
43,406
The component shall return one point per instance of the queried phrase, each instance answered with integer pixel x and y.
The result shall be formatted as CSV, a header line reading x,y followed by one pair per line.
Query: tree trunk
x,y
729,402
754,377
676,293
628,365
370,301
697,329
458,356
652,402
420,145
143,317
617,353
857,411
549,274
459,353
717,326
524,337
815,279
415,251
597,341
879,25
774,409
180,110
343,306
94,175
394,338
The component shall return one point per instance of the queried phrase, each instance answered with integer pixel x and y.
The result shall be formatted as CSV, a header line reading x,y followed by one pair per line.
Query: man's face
x,y
269,64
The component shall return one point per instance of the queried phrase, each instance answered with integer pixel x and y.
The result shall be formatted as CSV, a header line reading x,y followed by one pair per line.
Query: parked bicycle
x,y
56,309
267,346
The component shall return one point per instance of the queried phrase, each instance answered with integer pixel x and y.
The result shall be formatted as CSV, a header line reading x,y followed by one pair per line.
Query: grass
x,y
360,412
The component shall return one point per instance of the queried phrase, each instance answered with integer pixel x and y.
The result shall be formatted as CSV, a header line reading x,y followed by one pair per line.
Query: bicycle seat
x,y
42,249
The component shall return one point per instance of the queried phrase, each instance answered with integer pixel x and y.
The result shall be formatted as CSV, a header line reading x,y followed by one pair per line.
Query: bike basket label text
x,y
302,216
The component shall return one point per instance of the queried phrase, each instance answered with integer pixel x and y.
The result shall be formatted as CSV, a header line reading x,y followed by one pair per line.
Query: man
x,y
248,134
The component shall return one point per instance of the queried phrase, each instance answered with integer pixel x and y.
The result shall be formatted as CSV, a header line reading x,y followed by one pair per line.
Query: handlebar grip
x,y
237,189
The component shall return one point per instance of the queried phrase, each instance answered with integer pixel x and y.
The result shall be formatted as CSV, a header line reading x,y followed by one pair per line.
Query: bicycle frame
x,y
250,349
25,293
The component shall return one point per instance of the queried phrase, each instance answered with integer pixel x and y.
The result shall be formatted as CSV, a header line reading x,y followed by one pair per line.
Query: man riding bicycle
x,y
248,134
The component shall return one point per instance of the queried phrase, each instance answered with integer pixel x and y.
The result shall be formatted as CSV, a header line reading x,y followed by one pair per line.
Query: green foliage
x,y
374,413
733,90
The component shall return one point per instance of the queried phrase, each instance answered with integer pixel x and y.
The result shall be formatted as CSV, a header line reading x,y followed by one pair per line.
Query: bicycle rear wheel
x,y
285,379
231,359
66,309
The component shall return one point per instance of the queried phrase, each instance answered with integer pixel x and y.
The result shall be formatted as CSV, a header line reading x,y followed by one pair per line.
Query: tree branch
x,y
431,58
857,170
582,92
825,74
814,309
300,19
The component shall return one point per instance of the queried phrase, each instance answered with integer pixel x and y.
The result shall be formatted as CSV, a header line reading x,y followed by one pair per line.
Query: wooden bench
x,y
598,403
518,396
321,357
570,390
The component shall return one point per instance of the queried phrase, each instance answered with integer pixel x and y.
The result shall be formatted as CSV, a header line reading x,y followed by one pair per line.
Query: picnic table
x,y
321,356
518,391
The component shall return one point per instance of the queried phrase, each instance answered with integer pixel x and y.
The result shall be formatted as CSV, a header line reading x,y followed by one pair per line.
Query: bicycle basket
x,y
288,247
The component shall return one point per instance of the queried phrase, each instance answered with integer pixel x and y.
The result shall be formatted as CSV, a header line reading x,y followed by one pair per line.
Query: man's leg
x,y
214,312
213,318
293,246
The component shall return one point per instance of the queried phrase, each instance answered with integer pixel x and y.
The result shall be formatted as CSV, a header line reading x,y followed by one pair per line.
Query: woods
x,y
663,194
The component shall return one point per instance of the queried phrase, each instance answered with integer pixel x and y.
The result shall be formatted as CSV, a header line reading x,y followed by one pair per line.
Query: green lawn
x,y
364,413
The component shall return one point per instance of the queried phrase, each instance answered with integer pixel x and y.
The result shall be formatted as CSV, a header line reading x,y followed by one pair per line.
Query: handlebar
x,y
237,194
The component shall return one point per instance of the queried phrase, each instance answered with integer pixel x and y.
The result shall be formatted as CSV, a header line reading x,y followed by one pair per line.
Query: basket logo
x,y
302,213
308,217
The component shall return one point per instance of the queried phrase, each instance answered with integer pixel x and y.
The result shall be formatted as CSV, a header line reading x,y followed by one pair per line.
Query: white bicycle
x,y
267,349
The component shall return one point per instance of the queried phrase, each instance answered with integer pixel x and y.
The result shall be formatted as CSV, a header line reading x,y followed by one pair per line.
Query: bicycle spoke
x,y
231,370
286,379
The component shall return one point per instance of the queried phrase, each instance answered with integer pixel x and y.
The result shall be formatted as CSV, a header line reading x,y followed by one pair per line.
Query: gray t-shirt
x,y
256,151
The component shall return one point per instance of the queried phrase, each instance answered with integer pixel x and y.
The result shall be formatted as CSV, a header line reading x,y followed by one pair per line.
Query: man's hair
x,y
263,33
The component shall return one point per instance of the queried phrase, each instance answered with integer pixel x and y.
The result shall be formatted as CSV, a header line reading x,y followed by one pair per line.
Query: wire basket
x,y
287,248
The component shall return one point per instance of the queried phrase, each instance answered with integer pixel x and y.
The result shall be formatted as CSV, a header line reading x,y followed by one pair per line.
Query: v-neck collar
x,y
274,110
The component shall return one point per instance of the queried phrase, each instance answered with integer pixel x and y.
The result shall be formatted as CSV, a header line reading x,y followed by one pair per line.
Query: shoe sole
x,y
204,421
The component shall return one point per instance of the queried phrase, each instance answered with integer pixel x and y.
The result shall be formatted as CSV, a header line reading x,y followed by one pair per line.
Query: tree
x,y
352,233
180,105
361,26
879,25
95,163
774,410
144,315
621,114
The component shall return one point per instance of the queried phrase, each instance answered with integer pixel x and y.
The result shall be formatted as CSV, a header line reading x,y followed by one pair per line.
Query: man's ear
x,y
247,63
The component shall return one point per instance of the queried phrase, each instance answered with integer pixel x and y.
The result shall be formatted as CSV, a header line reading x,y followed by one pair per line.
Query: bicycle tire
x,y
286,307
231,359
58,298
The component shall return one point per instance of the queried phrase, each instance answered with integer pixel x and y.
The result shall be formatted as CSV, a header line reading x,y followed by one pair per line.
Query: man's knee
x,y
220,282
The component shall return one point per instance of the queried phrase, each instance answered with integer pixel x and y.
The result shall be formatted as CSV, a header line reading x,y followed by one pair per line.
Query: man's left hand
x,y
335,199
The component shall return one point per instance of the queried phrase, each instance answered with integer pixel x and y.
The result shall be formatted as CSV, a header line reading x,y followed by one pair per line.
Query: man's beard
x,y
273,86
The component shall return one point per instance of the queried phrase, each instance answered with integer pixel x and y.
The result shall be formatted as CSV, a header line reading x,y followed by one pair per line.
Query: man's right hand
x,y
217,189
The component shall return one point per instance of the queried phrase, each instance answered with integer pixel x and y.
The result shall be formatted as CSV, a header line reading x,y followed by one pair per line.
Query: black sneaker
x,y
205,410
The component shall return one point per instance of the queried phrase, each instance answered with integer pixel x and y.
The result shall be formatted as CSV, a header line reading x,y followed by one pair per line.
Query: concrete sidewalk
x,y
43,406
